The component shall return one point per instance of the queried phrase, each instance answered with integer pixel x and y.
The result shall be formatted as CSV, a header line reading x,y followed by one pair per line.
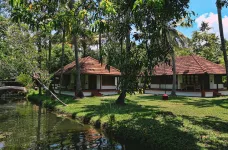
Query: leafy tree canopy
x,y
206,44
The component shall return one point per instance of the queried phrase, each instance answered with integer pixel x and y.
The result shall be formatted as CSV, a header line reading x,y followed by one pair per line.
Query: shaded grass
x,y
179,123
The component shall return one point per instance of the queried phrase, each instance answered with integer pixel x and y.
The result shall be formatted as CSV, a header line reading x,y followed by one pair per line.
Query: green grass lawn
x,y
178,123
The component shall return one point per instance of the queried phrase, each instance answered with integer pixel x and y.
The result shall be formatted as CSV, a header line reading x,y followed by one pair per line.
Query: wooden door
x,y
92,82
205,83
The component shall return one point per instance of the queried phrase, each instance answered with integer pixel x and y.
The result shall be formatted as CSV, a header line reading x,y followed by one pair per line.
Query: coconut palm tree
x,y
219,5
62,58
175,39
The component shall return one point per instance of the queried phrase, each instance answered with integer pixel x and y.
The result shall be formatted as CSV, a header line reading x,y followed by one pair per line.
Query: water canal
x,y
27,126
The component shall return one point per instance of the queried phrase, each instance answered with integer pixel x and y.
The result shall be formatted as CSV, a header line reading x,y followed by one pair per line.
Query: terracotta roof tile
x,y
190,65
90,65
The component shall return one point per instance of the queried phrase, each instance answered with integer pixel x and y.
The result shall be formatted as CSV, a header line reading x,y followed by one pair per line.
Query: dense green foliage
x,y
56,56
17,50
25,80
109,24
206,44
179,123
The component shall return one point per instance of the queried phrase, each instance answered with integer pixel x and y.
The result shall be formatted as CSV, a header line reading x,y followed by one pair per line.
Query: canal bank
x,y
27,126
144,125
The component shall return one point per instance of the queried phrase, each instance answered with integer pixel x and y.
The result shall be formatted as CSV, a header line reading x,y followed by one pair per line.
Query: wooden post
x,y
165,84
217,87
202,91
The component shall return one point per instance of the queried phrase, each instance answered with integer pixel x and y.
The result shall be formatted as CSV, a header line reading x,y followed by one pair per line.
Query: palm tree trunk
x,y
84,46
100,47
49,53
99,38
62,60
223,47
78,92
173,93
39,62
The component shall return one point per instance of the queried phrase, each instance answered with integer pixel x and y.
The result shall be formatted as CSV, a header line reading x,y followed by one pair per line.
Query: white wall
x,y
161,86
116,81
180,93
71,93
212,83
98,82
109,93
158,92
191,94
179,81
109,87
208,94
224,93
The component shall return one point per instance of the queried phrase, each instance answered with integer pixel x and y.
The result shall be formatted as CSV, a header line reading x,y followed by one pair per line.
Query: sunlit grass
x,y
190,106
178,123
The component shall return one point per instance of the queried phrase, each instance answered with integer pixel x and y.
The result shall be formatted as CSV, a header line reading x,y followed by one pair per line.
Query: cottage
x,y
96,79
196,76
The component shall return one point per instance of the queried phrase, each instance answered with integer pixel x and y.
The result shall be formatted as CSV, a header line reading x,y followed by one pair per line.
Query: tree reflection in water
x,y
32,127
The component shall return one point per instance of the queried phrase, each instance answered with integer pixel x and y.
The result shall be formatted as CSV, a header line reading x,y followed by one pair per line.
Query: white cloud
x,y
212,20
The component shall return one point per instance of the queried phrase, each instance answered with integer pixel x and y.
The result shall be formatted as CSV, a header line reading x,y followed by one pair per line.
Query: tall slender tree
x,y
62,57
219,5
175,39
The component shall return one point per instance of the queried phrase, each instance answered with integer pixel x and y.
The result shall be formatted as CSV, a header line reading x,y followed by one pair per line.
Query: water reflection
x,y
25,126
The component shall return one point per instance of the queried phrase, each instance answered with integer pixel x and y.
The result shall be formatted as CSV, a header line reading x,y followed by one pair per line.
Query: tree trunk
x,y
145,82
78,92
62,60
39,62
100,47
84,46
46,52
121,51
99,38
49,54
173,93
223,46
121,99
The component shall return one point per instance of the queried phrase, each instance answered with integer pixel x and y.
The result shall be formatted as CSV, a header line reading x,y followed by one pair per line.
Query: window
x,y
155,80
196,79
218,79
108,80
184,79
191,79
188,79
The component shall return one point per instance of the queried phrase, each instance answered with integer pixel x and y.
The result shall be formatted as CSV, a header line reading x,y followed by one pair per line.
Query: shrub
x,y
25,79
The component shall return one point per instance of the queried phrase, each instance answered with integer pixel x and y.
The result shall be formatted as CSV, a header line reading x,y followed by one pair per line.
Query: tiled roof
x,y
190,65
90,65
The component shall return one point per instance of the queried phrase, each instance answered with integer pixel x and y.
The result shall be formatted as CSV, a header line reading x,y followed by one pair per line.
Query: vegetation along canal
x,y
27,126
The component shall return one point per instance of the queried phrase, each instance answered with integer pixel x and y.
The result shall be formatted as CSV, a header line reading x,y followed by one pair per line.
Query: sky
x,y
206,11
